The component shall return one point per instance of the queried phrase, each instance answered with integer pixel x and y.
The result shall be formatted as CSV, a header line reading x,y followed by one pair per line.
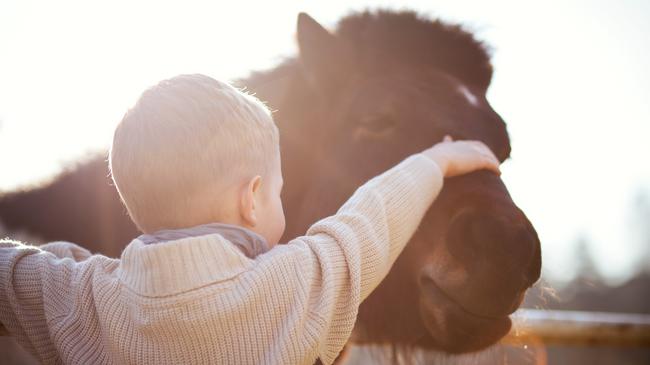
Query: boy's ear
x,y
247,201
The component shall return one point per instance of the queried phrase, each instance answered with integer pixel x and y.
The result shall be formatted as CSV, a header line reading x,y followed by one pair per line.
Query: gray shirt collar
x,y
249,242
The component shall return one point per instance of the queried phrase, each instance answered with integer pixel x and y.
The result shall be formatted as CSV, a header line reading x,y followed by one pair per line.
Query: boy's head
x,y
194,150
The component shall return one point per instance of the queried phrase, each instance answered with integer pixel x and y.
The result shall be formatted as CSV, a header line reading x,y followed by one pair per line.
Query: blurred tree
x,y
586,267
640,228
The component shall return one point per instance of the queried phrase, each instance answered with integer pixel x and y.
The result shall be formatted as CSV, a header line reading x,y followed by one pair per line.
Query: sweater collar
x,y
186,259
249,242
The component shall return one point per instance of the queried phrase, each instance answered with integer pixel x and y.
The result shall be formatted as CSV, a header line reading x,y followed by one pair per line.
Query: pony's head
x,y
384,86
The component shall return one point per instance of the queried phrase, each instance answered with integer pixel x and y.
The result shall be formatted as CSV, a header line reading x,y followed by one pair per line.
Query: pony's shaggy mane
x,y
413,40
408,39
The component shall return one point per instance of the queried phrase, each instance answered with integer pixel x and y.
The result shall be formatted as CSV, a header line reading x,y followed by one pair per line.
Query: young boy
x,y
197,164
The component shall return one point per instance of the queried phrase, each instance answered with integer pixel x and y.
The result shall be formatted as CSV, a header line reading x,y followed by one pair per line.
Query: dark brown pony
x,y
352,104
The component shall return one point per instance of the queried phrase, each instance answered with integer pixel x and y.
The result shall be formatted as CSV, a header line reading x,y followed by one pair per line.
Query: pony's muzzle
x,y
478,277
500,256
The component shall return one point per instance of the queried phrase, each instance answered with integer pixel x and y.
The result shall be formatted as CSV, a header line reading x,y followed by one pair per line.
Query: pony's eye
x,y
377,125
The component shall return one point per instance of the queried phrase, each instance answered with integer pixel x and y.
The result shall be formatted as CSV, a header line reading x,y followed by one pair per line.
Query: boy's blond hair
x,y
184,142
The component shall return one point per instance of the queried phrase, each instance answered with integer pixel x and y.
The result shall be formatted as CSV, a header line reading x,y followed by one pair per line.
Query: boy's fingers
x,y
492,163
495,168
485,149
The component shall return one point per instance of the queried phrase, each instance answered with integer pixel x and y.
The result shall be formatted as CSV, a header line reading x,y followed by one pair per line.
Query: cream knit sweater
x,y
200,300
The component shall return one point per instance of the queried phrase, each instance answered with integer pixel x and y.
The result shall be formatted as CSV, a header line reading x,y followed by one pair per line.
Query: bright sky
x,y
572,81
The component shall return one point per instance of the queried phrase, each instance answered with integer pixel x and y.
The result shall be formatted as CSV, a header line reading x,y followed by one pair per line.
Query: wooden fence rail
x,y
580,328
572,328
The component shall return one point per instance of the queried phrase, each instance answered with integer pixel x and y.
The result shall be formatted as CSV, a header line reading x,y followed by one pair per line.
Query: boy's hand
x,y
461,157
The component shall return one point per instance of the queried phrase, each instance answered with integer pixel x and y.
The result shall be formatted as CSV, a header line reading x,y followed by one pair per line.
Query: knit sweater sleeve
x,y
26,274
353,250
63,249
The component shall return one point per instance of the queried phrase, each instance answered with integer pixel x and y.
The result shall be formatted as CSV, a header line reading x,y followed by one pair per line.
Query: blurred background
x,y
571,81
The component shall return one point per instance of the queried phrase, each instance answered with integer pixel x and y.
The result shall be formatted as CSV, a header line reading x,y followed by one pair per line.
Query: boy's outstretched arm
x,y
22,312
63,249
349,253
27,274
